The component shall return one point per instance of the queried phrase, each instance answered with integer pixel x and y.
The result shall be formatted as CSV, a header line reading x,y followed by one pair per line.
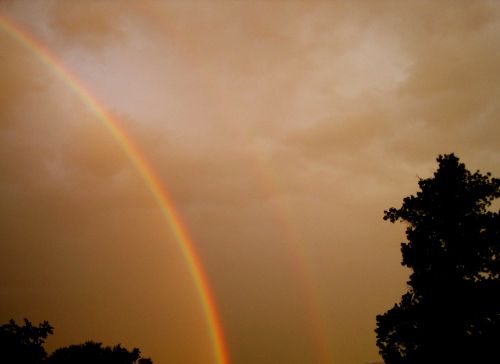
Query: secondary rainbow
x,y
143,167
268,181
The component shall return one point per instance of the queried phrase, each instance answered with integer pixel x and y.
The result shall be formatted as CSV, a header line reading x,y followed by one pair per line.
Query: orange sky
x,y
282,130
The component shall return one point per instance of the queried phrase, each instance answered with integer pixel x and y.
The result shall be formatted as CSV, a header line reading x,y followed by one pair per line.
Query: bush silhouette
x,y
95,353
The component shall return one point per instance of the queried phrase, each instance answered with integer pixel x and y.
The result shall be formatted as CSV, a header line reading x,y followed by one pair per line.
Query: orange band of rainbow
x,y
148,174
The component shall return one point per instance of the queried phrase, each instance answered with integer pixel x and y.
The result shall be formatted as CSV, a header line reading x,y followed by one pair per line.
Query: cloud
x,y
93,24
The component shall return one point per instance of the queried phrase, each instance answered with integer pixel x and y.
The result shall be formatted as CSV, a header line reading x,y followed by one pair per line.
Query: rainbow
x,y
302,272
151,179
264,171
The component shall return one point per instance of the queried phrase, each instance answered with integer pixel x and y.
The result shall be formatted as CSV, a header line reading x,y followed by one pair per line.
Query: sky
x,y
281,130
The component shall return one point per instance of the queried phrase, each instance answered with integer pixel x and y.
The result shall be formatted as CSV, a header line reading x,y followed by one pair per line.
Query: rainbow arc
x,y
143,167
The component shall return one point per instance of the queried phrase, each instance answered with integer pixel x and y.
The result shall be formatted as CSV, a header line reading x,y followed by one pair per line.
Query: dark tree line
x,y
451,312
24,344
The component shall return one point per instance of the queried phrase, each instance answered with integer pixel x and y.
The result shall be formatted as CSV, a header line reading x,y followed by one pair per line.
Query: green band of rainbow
x,y
148,174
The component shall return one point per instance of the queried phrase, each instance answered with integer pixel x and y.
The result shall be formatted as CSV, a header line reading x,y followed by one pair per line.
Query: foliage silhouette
x,y
451,312
95,353
24,345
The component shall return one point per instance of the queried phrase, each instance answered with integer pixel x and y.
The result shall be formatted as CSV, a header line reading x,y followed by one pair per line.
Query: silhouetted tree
x,y
451,312
23,344
95,353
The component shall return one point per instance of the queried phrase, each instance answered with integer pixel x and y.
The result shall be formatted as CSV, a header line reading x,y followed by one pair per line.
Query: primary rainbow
x,y
148,174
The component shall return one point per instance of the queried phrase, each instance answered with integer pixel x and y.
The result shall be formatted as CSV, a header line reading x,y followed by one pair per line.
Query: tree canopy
x,y
451,312
24,345
95,353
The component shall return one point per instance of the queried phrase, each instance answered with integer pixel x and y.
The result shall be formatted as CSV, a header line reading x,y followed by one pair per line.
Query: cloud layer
x,y
282,131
